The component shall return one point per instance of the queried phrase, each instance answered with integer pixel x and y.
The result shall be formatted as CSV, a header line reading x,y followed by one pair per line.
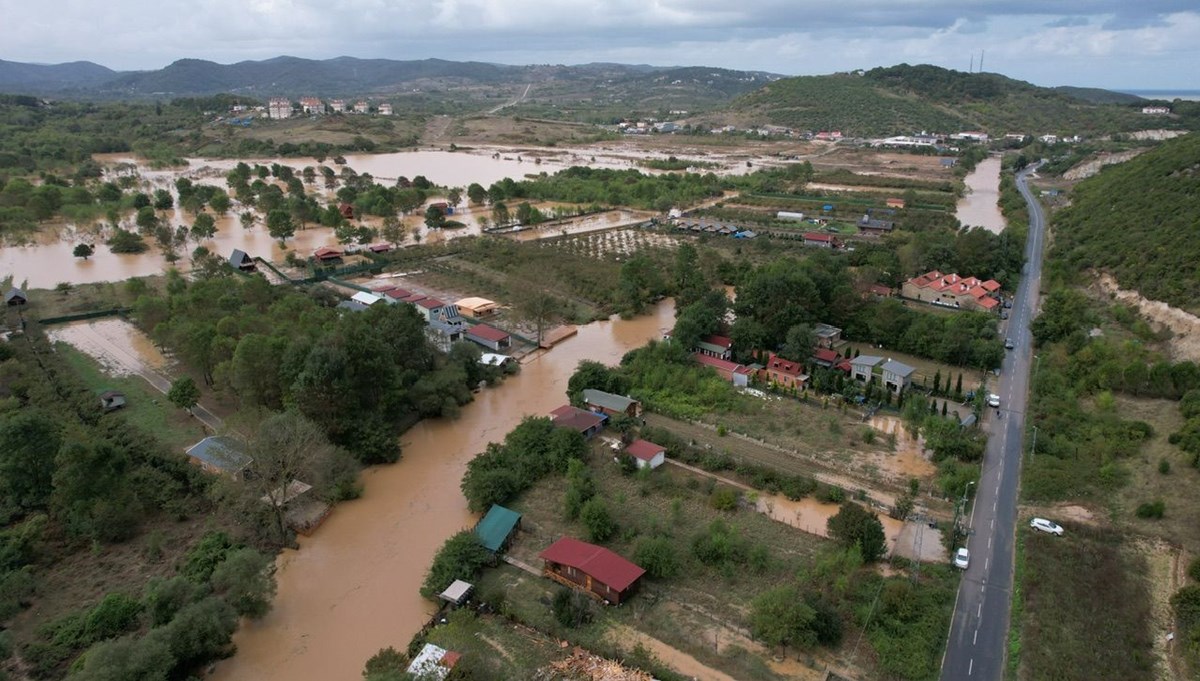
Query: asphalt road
x,y
978,640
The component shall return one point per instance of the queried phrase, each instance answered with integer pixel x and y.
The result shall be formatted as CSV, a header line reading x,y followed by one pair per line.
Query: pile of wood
x,y
584,666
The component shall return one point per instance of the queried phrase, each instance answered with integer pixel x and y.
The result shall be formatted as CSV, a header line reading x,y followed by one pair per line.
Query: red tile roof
x,y
991,285
450,659
432,304
722,341
397,293
414,297
380,248
328,252
880,290
717,363
987,303
815,236
826,355
575,418
603,565
783,366
644,449
486,332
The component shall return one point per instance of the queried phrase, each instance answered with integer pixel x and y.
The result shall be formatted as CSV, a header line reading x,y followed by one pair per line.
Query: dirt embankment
x,y
1185,343
1092,166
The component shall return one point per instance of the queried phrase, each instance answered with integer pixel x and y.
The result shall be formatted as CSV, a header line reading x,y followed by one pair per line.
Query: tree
x,y
799,343
146,219
500,214
689,280
658,557
538,307
126,659
454,196
476,194
597,520
393,230
220,202
246,581
29,441
200,632
163,200
184,393
780,617
580,488
84,251
204,227
461,557
596,375
854,525
388,664
434,217
162,598
280,225
247,219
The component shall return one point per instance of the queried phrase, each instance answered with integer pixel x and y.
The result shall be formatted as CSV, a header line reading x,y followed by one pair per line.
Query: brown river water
x,y
351,588
980,207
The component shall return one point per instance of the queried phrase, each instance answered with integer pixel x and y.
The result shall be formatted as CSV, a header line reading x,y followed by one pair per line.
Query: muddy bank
x,y
351,589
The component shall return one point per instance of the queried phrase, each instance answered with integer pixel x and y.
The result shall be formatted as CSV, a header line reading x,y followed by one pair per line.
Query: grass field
x,y
146,408
1086,608
493,648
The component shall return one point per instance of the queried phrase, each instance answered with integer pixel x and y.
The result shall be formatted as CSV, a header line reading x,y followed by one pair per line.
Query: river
x,y
980,206
351,588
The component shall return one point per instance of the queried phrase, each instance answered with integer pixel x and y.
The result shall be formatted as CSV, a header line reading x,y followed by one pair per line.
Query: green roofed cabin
x,y
220,455
496,529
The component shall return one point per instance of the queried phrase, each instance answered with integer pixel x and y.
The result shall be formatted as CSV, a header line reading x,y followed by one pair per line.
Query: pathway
x,y
514,101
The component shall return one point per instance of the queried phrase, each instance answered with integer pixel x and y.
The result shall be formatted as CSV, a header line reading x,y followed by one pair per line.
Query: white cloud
x,y
1098,42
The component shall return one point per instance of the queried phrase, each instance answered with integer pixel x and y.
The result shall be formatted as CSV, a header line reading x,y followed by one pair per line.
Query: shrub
x,y
657,556
461,557
1164,466
1153,510
597,520
856,526
1194,569
724,499
571,608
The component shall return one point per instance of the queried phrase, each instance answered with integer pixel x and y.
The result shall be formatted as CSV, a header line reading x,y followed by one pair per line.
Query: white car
x,y
962,558
1043,525
993,400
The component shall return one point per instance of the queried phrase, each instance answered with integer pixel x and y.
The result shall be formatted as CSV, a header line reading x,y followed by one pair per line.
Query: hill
x,y
904,99
42,78
1137,221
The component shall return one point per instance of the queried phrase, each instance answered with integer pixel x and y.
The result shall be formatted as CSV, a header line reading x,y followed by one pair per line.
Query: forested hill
x,y
906,99
1138,221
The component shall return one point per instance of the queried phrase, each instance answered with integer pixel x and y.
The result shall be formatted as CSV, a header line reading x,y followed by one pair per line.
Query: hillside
x,y
1137,220
904,99
38,78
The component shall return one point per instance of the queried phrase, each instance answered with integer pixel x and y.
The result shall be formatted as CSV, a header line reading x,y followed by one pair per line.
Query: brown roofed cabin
x,y
581,420
327,254
594,569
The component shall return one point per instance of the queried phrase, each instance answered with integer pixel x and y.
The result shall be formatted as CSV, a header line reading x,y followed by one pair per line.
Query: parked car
x,y
1008,344
1008,304
1004,314
993,401
1043,525
962,558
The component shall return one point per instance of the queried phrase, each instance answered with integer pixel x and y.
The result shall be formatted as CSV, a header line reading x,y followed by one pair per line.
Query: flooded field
x,y
351,589
980,206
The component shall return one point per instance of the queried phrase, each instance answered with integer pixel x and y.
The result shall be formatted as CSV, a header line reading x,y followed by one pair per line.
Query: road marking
x,y
993,523
989,542
993,507
975,638
971,667
979,610
986,562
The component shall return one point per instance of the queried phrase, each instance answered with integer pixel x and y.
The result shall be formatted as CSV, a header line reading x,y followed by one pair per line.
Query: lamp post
x,y
1033,447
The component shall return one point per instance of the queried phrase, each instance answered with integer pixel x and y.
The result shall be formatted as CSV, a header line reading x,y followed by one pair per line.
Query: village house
x,y
594,569
477,308
880,291
346,211
896,375
444,333
312,105
240,260
785,373
279,108
1156,110
895,203
951,290
970,136
820,240
366,298
433,663
361,108
580,420
379,248
647,454
496,529
870,226
830,359
15,296
862,368
827,336
489,337
432,308
327,254
111,400
737,374
337,105
948,162
220,455
720,347
385,109
611,404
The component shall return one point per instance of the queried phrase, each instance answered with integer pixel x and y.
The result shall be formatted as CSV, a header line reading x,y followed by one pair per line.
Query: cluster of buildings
x,y
951,290
779,372
281,107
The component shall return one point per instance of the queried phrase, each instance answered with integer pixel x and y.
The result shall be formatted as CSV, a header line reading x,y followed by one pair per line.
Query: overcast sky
x,y
1101,43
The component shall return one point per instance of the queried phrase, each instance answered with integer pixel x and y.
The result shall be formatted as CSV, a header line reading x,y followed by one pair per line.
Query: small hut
x,y
111,400
15,296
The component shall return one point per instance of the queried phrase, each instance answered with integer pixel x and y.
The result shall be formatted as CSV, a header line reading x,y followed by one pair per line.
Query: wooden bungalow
x,y
327,254
241,260
586,422
611,404
496,529
15,296
595,570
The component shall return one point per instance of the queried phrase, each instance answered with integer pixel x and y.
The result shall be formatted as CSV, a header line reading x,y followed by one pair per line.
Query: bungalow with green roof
x,y
496,529
611,404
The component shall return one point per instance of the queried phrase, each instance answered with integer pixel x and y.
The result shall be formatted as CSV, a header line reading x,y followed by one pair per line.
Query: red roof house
x,y
733,372
327,253
594,569
821,240
716,346
346,210
647,453
785,372
951,290
396,293
487,336
587,422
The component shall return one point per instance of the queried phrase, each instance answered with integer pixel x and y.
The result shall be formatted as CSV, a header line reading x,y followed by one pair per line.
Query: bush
x,y
461,557
856,526
657,556
205,556
114,615
571,608
597,520
1194,569
1153,510
724,499
1164,467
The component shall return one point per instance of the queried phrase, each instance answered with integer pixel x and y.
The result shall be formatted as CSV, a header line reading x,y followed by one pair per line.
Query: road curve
x,y
978,638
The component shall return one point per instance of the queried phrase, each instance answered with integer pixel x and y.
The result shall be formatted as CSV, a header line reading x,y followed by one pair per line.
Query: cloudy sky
x,y
1103,43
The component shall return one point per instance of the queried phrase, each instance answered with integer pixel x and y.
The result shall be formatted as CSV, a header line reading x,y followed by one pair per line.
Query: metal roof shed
x,y
497,527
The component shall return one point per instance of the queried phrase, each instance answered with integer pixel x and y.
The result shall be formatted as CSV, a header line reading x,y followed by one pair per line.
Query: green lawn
x,y
495,648
146,408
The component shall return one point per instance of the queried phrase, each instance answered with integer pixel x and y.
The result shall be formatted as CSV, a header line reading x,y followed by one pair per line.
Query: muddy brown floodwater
x,y
980,207
351,589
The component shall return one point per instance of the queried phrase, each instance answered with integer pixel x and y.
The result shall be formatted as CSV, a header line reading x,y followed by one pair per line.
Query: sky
x,y
1120,44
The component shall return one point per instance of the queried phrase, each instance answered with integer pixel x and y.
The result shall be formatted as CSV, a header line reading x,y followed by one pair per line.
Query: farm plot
x,y
618,243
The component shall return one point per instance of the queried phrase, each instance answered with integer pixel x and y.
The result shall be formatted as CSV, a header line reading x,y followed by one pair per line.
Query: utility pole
x,y
961,506
1033,448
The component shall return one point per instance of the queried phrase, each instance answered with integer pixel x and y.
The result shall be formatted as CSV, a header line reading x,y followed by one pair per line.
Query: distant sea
x,y
1168,95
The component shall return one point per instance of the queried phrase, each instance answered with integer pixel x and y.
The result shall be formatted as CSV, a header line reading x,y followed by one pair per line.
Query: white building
x,y
1156,110
385,109
279,107
361,107
337,105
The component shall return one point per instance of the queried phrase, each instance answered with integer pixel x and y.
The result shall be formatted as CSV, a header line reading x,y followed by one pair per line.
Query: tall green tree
x,y
854,525
280,225
29,440
184,393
